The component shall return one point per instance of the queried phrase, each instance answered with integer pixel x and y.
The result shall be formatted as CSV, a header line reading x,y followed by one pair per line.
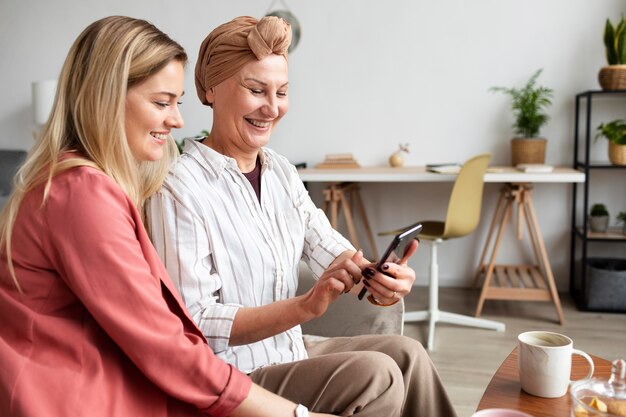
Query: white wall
x,y
366,76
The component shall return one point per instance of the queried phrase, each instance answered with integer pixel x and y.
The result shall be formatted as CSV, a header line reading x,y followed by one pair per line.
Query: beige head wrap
x,y
232,45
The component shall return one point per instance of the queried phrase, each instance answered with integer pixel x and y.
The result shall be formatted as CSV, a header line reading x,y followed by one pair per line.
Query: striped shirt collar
x,y
214,162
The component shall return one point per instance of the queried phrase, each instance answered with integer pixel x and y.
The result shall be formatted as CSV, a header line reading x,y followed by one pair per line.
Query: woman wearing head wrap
x,y
92,323
232,222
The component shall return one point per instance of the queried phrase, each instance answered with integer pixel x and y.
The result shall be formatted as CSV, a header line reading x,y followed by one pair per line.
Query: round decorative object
x,y
613,77
295,26
528,151
396,159
617,153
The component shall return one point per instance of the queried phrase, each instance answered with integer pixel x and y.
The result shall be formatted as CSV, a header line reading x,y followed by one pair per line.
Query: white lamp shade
x,y
43,98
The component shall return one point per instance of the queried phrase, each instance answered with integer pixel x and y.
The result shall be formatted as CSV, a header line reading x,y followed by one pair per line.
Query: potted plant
x,y
528,105
621,218
615,132
180,143
599,218
613,76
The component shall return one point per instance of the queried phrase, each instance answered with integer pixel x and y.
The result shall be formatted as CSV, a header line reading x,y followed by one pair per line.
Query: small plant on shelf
x,y
615,42
598,210
615,133
599,218
613,76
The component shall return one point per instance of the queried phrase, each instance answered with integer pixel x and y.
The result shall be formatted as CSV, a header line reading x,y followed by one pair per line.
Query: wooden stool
x,y
338,197
530,282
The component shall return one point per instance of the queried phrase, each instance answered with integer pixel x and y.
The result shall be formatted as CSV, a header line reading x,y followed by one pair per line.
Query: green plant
x,y
621,217
598,210
179,143
615,42
528,105
614,131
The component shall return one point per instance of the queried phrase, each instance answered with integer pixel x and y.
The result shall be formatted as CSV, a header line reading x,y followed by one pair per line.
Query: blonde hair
x,y
108,57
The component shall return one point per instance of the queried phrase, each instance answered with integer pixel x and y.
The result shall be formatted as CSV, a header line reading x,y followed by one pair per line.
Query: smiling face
x,y
152,111
249,105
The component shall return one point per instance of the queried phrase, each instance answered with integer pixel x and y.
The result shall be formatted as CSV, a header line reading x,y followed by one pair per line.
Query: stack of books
x,y
343,160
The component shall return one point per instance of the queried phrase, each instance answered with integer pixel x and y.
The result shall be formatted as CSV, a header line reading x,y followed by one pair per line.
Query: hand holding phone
x,y
396,249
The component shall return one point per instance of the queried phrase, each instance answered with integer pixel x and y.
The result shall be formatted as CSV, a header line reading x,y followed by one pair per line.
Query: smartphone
x,y
396,249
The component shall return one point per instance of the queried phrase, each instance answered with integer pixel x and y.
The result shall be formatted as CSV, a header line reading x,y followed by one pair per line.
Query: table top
x,y
420,174
505,391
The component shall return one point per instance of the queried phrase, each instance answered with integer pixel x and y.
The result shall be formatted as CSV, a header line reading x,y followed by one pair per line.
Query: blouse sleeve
x,y
94,243
322,243
181,239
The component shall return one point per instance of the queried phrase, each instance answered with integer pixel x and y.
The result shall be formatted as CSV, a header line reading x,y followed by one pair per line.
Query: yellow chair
x,y
462,218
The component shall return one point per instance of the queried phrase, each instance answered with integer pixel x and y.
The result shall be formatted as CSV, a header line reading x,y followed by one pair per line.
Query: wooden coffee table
x,y
504,389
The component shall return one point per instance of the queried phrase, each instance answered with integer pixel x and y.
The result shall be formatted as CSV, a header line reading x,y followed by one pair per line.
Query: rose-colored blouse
x,y
99,329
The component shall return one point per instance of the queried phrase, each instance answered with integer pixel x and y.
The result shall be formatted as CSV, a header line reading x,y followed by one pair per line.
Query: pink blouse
x,y
99,329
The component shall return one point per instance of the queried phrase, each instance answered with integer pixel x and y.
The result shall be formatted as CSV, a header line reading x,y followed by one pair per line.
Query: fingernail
x,y
385,267
418,240
367,284
369,272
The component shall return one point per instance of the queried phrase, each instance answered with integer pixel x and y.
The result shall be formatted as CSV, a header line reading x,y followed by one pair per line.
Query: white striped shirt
x,y
224,249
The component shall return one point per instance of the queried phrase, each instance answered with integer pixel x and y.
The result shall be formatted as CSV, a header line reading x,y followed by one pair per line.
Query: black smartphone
x,y
396,249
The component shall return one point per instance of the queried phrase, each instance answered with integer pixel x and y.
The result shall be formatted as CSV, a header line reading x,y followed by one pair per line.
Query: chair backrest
x,y
465,203
10,160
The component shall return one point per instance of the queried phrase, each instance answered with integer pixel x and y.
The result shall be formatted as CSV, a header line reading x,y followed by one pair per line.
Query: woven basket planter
x,y
528,151
617,154
613,77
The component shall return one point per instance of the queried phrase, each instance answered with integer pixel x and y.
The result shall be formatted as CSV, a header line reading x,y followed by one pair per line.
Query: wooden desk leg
x,y
366,224
520,199
338,197
544,258
494,252
481,264
347,212
333,195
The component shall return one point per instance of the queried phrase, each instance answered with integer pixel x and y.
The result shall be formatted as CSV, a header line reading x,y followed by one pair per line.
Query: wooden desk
x,y
420,174
504,389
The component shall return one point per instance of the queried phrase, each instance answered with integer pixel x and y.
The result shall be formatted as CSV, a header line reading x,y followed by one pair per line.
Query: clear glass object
x,y
597,397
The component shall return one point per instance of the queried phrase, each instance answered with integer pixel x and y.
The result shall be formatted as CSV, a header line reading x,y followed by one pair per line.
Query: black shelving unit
x,y
581,235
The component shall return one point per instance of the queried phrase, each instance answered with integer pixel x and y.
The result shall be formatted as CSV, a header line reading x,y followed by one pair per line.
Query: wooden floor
x,y
466,358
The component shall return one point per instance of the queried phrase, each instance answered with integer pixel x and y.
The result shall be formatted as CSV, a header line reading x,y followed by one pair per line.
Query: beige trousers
x,y
368,376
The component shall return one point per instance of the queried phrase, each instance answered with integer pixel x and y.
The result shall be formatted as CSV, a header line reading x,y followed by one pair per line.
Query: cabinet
x,y
583,241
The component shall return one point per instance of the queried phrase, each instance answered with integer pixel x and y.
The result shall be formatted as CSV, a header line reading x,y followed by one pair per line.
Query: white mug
x,y
545,363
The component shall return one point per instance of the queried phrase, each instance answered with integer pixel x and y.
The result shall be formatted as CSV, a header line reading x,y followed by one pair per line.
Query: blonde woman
x,y
92,323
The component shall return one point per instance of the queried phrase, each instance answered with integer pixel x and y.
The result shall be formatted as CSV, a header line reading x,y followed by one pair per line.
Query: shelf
x,y
601,92
581,237
613,234
599,165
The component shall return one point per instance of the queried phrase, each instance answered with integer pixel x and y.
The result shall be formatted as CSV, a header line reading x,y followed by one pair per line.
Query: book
x,y
449,168
534,168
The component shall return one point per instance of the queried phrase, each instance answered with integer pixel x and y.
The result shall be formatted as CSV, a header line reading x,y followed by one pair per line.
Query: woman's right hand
x,y
339,278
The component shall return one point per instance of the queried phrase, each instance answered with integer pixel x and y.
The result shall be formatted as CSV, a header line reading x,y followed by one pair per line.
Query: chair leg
x,y
434,315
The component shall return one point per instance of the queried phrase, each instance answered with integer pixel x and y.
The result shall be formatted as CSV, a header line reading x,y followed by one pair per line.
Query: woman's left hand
x,y
396,280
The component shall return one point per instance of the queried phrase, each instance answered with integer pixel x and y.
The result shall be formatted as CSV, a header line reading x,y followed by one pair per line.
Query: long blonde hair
x,y
108,57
